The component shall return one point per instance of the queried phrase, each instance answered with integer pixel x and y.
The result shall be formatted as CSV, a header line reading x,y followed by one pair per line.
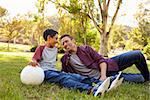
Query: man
x,y
85,61
45,57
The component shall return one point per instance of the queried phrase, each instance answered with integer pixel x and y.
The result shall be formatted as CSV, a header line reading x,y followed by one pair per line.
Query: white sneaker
x,y
116,82
120,81
103,87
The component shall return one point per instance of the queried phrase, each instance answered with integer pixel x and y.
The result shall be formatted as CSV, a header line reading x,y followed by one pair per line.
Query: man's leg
x,y
129,77
137,78
133,57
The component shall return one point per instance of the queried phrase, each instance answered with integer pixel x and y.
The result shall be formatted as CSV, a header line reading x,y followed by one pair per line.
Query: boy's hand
x,y
34,63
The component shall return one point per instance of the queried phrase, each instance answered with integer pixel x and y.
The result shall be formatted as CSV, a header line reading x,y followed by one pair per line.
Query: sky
x,y
14,7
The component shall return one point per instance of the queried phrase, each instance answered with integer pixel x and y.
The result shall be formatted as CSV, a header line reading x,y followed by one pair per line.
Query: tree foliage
x,y
3,11
11,30
99,15
139,37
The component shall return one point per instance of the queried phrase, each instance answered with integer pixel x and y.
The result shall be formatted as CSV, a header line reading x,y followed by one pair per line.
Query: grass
x,y
14,47
11,88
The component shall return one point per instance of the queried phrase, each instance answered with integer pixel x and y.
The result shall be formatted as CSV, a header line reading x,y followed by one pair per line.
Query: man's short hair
x,y
66,35
49,32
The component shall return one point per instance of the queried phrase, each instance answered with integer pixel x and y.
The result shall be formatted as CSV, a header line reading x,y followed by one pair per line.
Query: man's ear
x,y
73,40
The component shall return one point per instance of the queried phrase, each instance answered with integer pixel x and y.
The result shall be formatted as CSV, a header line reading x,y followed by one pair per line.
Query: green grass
x,y
11,88
11,64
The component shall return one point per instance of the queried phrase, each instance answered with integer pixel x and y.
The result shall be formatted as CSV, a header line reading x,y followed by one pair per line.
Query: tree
x,y
143,18
101,22
11,30
78,22
99,15
3,11
40,19
118,37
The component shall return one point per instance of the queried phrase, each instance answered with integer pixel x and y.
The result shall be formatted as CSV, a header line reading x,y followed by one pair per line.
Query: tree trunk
x,y
8,45
103,45
14,41
85,39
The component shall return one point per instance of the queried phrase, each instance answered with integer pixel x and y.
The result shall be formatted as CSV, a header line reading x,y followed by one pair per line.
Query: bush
x,y
33,49
60,50
147,51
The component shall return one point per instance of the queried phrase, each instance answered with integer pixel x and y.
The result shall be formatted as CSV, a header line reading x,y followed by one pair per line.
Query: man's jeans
x,y
69,80
128,59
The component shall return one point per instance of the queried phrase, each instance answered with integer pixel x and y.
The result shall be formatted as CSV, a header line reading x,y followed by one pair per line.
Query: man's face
x,y
53,40
68,44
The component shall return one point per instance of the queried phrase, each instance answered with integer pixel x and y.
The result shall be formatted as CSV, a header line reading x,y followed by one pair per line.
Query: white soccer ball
x,y
32,75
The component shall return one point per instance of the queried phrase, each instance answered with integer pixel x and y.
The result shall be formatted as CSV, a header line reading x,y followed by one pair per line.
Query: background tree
x,y
99,15
3,11
11,30
140,36
78,22
118,37
41,24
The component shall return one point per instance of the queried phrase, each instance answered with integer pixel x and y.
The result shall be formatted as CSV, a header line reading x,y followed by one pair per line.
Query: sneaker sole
x,y
103,87
116,82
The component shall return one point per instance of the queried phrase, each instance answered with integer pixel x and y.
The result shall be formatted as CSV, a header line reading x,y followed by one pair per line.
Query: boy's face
x,y
53,40
68,44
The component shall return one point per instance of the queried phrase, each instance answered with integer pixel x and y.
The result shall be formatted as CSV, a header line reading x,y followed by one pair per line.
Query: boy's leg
x,y
76,81
67,80
133,57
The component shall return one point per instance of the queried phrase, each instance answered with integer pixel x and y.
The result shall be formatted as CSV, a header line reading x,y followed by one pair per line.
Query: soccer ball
x,y
32,75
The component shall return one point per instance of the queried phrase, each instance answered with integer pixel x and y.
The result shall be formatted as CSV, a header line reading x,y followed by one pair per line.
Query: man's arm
x,y
102,62
103,68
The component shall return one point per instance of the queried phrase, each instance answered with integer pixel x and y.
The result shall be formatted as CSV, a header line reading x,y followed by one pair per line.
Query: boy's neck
x,y
49,46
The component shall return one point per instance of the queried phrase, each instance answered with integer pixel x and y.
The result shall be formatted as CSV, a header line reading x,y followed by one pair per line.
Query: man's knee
x,y
137,53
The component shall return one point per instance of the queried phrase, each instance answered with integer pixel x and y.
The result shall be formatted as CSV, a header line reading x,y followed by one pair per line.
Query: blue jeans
x,y
128,59
69,80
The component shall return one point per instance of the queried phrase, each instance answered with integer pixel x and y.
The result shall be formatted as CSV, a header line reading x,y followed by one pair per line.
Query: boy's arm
x,y
34,63
36,57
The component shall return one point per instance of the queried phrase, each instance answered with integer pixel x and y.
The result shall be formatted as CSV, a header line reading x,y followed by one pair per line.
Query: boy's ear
x,y
48,37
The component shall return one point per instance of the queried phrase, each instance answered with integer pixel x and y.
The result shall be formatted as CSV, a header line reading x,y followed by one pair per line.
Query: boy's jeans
x,y
69,80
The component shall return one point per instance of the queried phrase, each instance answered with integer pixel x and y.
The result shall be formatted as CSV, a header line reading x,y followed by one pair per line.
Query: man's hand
x,y
103,78
34,63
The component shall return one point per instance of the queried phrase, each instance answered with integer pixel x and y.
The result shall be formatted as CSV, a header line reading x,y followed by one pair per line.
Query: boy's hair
x,y
66,35
49,32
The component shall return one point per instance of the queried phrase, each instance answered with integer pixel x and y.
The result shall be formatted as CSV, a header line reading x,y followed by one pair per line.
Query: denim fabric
x,y
128,59
72,81
129,77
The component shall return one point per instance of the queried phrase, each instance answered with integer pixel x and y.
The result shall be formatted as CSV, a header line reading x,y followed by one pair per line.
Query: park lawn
x,y
11,88
14,47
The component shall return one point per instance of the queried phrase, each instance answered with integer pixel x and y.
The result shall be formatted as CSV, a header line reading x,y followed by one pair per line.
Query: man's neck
x,y
74,51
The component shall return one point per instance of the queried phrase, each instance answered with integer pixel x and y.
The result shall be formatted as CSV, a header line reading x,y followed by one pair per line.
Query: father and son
x,y
83,68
